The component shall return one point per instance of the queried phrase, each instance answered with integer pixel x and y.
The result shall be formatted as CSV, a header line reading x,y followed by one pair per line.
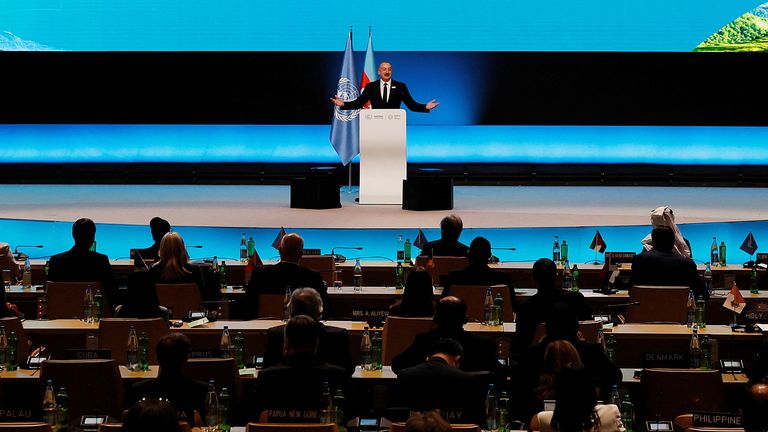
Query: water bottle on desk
x,y
610,348
722,254
498,309
365,349
714,252
243,249
326,405
407,251
691,309
358,276
98,306
564,252
211,407
376,343
628,414
49,404
226,343
13,352
62,414
251,247
503,412
556,250
224,425
88,305
574,277
694,350
3,349
491,410
223,274
133,350
26,276
399,275
567,278
240,350
701,313
488,308
708,278
753,281
400,254
338,410
706,352
144,352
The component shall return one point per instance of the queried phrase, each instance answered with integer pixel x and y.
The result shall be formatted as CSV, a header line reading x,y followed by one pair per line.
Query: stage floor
x,y
479,206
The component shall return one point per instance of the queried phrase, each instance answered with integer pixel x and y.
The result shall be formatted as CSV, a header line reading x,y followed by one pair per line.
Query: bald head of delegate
x,y
291,248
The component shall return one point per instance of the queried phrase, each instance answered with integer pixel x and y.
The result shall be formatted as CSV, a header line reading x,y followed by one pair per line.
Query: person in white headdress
x,y
663,216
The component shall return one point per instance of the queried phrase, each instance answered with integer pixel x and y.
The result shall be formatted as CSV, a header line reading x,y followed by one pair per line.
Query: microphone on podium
x,y
494,259
17,254
341,258
195,246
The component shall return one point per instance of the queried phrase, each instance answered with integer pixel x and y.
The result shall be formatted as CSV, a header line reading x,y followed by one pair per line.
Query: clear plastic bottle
x,y
615,396
49,404
491,410
567,278
400,253
133,350
13,352
358,276
556,250
211,406
691,309
610,348
366,349
488,308
694,350
225,344
714,252
88,305
224,425
326,405
753,281
26,276
243,249
708,278
706,352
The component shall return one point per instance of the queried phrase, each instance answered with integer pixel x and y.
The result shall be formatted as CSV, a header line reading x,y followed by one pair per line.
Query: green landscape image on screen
x,y
748,32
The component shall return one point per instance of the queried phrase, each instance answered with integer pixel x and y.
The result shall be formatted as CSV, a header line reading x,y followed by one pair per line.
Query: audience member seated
x,y
662,266
158,227
533,312
450,317
7,309
173,266
151,415
185,395
140,298
562,324
80,264
418,296
429,421
663,217
576,407
8,262
333,342
558,355
287,274
448,244
438,383
478,272
296,384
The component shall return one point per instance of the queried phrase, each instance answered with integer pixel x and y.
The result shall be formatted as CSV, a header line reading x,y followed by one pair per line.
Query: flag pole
x,y
349,185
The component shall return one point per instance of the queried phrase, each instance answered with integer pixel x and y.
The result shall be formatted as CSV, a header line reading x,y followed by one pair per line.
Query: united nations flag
x,y
345,127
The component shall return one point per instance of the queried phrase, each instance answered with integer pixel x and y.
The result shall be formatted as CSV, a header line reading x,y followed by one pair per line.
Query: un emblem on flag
x,y
347,91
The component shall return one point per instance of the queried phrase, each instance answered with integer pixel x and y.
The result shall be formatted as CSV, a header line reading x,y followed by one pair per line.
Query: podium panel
x,y
383,165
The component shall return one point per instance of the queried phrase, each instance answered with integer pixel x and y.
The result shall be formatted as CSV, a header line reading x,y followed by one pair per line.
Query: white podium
x,y
383,165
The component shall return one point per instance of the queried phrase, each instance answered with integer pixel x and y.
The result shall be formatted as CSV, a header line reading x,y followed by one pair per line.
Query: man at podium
x,y
385,93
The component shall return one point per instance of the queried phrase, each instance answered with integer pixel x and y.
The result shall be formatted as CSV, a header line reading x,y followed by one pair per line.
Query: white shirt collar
x,y
389,88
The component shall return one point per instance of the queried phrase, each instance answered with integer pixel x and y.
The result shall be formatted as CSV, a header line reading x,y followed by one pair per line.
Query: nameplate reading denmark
x,y
717,419
198,323
665,360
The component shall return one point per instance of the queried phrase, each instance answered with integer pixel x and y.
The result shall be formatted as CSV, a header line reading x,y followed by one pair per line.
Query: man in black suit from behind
x,y
185,394
438,383
333,342
448,244
296,384
450,316
534,311
385,93
287,274
80,264
478,272
158,227
661,266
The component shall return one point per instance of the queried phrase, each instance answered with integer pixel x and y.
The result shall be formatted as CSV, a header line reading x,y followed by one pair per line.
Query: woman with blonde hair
x,y
558,355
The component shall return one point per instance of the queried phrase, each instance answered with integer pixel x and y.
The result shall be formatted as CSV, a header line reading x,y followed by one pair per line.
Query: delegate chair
x,y
442,266
400,427
180,298
669,393
399,333
588,331
117,427
65,299
93,386
271,306
113,335
474,297
13,324
325,265
223,371
658,304
25,427
288,427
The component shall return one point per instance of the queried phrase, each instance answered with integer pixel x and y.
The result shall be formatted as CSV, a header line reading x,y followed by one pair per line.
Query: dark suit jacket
x,y
434,384
185,394
150,253
296,385
479,352
654,267
442,247
480,275
274,279
398,94
78,265
332,347
534,311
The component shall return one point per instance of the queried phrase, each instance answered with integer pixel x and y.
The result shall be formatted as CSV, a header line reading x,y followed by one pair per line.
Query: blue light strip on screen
x,y
403,25
690,145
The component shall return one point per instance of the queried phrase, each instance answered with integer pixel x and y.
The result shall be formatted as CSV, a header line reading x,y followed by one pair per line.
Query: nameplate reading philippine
x,y
717,419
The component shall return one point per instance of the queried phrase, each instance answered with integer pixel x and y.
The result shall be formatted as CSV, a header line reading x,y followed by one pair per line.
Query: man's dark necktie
x,y
386,95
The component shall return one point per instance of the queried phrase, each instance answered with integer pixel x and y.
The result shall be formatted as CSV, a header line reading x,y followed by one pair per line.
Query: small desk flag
x,y
749,245
420,240
597,243
735,301
276,242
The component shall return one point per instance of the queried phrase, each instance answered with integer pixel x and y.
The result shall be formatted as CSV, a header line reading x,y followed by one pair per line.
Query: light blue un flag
x,y
345,127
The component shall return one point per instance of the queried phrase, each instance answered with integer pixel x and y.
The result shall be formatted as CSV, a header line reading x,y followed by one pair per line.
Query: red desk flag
x,y
278,239
735,301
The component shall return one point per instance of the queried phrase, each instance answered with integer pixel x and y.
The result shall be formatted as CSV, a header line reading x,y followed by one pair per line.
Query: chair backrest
x,y
117,427
658,304
400,427
181,298
223,371
474,297
25,427
442,265
271,306
399,333
93,386
324,264
113,335
13,324
588,331
291,427
65,299
669,393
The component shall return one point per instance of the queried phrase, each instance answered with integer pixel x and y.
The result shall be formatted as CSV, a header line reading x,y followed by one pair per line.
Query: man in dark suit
x,y
295,385
285,275
80,264
438,383
478,272
448,244
385,93
158,227
333,342
185,394
661,266
450,316
534,311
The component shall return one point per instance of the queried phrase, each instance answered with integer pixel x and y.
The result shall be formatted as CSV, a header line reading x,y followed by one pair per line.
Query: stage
x,y
523,217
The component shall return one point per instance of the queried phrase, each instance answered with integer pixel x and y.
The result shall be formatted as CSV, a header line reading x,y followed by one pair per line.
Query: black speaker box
x,y
430,193
315,193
